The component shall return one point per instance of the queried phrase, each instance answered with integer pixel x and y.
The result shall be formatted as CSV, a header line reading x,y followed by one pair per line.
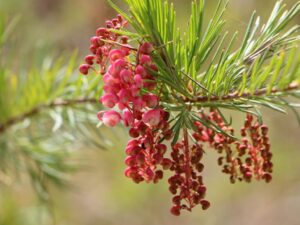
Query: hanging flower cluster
x,y
242,159
187,183
129,87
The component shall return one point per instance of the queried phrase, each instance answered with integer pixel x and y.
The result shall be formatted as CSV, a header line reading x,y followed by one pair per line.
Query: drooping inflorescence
x,y
242,159
131,92
187,182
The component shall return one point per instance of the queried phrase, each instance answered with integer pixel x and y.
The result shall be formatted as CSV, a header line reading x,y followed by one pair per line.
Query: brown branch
x,y
56,103
236,95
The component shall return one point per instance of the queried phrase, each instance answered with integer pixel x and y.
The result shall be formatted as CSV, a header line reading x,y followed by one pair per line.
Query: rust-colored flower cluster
x,y
242,159
187,183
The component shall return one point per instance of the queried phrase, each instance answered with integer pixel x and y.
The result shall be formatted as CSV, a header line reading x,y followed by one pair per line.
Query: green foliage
x,y
202,69
44,110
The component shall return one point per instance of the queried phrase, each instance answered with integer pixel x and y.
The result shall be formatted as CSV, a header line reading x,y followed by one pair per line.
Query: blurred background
x,y
98,193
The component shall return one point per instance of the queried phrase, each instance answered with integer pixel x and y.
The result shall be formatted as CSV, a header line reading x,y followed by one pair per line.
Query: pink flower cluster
x,y
148,122
242,159
126,87
140,111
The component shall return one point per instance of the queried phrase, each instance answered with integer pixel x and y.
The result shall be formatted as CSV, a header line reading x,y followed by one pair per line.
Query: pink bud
x,y
166,164
138,80
205,136
125,96
130,161
115,54
115,88
109,118
101,31
135,91
140,70
175,210
152,117
161,148
158,158
126,75
202,190
109,24
128,118
146,48
151,100
132,149
110,80
138,104
130,172
133,132
133,142
146,60
93,49
149,174
84,69
109,100
205,204
95,41
116,67
90,59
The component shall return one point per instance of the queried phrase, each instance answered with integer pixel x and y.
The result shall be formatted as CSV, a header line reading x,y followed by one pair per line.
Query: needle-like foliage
x,y
203,68
44,110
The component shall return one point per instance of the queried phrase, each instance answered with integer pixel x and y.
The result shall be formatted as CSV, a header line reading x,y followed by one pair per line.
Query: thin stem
x,y
187,164
236,95
119,44
56,103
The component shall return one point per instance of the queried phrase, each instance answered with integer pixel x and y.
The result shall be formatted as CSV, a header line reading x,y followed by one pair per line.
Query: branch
x,y
56,103
236,95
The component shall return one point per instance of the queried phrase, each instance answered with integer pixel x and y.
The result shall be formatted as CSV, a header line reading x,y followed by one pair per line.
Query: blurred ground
x,y
100,194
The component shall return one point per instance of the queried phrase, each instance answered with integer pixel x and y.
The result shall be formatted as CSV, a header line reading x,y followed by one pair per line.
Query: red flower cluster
x,y
187,183
146,153
242,159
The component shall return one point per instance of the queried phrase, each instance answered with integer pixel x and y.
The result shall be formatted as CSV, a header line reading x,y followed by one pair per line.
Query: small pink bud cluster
x,y
187,183
243,159
102,44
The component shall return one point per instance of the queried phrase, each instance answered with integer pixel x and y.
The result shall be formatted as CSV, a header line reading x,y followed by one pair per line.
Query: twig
x,y
236,95
56,103
119,44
